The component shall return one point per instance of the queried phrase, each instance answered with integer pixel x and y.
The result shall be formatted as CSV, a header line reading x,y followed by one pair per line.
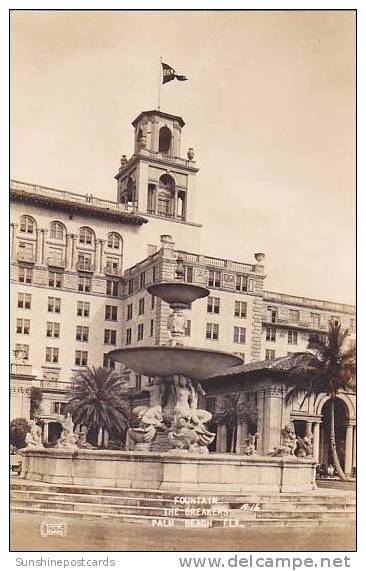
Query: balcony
x,y
56,263
85,266
27,257
114,272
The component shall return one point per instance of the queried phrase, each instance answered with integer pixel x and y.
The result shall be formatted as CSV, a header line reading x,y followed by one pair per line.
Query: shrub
x,y
18,430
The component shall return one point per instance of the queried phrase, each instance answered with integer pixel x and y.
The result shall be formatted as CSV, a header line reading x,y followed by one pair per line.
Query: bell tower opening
x,y
165,140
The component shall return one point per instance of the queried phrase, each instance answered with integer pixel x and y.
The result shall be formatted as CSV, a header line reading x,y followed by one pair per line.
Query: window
x,y
27,225
151,327
59,407
294,316
315,320
213,305
25,275
83,309
111,312
141,306
24,300
52,354
240,309
112,264
57,231
84,284
110,336
55,279
23,326
270,334
270,354
82,333
108,363
113,241
352,325
241,283
214,278
212,331
129,311
142,280
81,358
85,236
188,274
53,329
84,261
292,337
25,252
187,329
130,286
152,301
154,274
112,288
140,332
22,351
335,320
128,336
273,315
239,334
54,304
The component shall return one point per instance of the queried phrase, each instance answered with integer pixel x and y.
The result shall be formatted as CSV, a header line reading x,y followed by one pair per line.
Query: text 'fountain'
x,y
173,420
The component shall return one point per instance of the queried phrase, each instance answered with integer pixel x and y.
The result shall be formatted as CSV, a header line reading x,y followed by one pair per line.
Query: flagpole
x,y
159,90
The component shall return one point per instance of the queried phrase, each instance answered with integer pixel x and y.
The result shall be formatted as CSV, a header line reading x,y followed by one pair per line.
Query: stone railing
x,y
296,300
70,196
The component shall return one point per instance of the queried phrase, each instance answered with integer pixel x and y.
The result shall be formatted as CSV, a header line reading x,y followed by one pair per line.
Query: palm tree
x,y
328,366
99,400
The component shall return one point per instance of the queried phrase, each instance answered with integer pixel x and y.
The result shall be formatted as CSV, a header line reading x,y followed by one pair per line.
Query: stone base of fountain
x,y
174,471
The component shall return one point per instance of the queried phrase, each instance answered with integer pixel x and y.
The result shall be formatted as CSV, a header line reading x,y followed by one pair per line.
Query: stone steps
x,y
147,507
181,523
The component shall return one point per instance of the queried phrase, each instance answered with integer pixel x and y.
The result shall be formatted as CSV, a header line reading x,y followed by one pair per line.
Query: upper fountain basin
x,y
179,293
165,361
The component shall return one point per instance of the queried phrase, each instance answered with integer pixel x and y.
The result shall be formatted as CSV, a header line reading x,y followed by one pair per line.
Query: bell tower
x,y
156,181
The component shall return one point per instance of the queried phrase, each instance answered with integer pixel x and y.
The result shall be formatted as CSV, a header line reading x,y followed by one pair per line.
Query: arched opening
x,y
165,139
166,196
341,418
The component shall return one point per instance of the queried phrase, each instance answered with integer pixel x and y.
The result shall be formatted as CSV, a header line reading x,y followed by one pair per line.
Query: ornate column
x,y
272,418
221,438
13,233
99,257
316,443
44,233
349,448
354,448
241,435
73,252
308,430
39,241
45,431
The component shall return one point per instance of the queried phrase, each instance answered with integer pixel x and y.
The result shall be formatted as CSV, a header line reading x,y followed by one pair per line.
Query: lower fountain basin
x,y
166,361
174,471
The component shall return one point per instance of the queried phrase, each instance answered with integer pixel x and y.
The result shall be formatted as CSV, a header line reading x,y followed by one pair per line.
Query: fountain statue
x,y
174,418
288,442
33,438
67,440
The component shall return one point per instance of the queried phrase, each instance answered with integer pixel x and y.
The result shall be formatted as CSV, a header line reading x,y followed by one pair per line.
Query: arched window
x,y
165,139
27,225
57,230
166,196
114,241
86,236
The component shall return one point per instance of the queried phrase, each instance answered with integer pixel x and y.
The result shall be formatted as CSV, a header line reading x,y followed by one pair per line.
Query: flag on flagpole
x,y
169,74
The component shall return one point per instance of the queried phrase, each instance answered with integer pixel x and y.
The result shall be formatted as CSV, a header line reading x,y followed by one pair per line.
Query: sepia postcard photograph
x,y
182,285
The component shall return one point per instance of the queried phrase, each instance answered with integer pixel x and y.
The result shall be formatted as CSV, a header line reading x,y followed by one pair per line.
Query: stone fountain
x,y
168,440
173,421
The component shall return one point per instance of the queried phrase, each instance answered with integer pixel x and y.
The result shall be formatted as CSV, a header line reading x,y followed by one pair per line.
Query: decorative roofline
x,y
160,114
47,197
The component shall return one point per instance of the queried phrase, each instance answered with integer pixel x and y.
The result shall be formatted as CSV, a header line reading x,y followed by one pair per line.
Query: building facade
x,y
80,268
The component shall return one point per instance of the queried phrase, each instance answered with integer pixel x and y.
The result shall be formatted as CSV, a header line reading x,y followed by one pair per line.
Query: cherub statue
x,y
250,448
305,446
67,438
145,420
81,435
33,438
288,442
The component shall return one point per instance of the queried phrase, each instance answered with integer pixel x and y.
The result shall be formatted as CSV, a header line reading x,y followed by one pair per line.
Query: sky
x,y
269,107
